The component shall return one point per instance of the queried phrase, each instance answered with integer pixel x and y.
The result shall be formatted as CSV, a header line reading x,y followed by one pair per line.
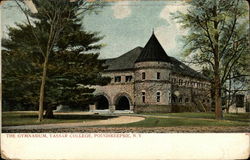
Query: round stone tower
x,y
152,78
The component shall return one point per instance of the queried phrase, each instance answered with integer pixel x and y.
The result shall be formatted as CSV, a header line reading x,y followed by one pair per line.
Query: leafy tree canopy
x,y
73,65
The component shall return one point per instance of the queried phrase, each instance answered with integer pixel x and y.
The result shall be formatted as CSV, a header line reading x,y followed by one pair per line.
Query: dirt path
x,y
118,120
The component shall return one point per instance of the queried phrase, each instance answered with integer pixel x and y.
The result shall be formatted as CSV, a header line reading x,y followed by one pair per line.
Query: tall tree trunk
x,y
42,88
217,81
218,109
217,85
229,94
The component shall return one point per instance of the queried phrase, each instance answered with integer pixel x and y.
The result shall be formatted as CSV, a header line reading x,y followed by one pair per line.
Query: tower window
x,y
158,96
186,100
158,75
117,78
143,75
128,78
143,97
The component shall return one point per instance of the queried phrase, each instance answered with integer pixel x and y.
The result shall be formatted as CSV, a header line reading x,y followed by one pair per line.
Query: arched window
x,y
158,96
186,100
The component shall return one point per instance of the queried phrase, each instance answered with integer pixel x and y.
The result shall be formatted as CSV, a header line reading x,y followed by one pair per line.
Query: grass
x,y
30,118
173,122
171,119
242,117
190,119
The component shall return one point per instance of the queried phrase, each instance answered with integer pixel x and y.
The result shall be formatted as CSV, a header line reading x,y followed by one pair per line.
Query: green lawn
x,y
172,122
190,119
151,120
243,117
26,118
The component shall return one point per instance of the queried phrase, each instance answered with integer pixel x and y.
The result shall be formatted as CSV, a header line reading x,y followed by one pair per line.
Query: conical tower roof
x,y
153,51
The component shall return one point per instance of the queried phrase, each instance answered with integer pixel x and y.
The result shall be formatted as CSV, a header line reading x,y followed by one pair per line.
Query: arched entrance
x,y
122,103
101,103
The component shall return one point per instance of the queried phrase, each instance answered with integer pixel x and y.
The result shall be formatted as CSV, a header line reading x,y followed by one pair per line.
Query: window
x,y
143,97
180,100
185,83
158,75
186,100
143,75
173,80
169,97
208,101
128,78
158,96
180,82
174,98
117,78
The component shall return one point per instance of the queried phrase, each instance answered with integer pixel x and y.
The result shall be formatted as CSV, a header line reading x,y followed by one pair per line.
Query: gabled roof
x,y
125,61
153,51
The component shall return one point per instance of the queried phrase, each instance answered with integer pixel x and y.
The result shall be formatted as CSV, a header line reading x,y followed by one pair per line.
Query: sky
x,y
125,25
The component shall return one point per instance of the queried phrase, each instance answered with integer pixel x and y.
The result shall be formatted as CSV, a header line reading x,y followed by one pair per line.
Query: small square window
x,y
128,78
117,78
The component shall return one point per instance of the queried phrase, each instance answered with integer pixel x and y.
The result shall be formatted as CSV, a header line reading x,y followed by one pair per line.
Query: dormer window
x,y
143,75
117,78
158,75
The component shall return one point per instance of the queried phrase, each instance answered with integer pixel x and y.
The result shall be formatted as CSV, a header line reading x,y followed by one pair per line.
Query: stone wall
x,y
191,94
151,84
114,90
152,109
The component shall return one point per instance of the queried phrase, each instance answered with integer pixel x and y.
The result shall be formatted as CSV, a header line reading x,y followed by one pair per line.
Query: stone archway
x,y
101,102
122,103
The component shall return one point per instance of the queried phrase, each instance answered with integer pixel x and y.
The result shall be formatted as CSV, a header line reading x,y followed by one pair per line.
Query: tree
x,y
217,38
57,52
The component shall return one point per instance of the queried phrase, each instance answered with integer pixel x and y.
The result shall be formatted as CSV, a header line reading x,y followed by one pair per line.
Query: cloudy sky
x,y
126,25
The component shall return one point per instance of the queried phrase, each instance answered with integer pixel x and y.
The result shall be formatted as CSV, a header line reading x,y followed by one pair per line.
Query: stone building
x,y
148,80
